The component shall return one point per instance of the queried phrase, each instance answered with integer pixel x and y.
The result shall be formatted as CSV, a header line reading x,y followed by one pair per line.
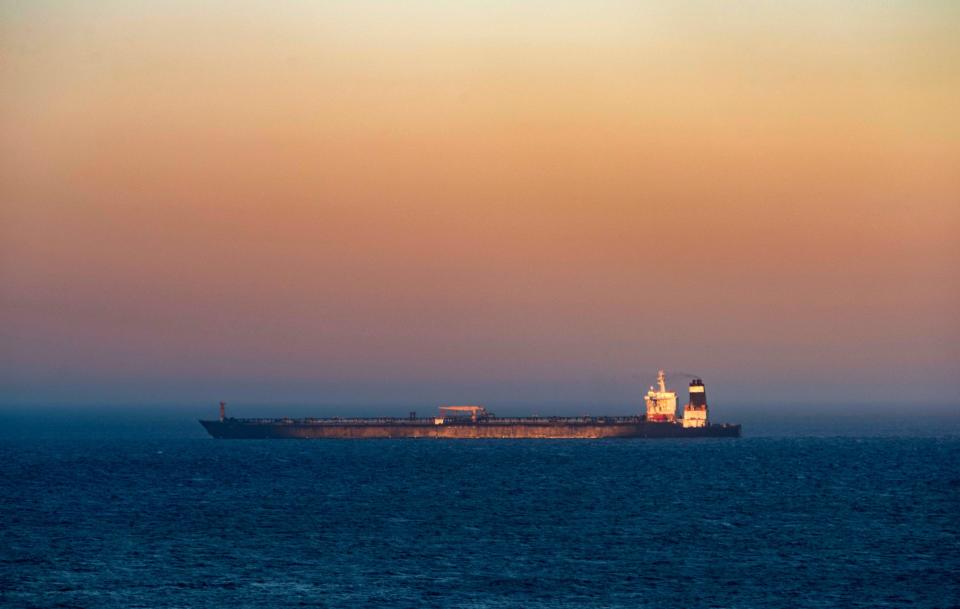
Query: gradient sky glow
x,y
444,201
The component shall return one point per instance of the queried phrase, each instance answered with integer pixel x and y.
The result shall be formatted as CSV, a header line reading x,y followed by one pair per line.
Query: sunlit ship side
x,y
660,421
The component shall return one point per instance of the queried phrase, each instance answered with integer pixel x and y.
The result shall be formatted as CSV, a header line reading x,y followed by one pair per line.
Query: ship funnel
x,y
695,412
698,393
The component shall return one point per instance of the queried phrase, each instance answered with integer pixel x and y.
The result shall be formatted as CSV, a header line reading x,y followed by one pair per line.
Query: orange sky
x,y
366,202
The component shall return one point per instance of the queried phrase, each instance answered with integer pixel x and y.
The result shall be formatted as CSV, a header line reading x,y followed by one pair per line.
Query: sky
x,y
436,202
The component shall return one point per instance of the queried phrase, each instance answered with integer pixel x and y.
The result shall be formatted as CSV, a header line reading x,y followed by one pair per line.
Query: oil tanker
x,y
473,421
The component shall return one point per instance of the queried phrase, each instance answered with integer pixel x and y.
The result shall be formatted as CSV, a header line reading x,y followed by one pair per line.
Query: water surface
x,y
164,517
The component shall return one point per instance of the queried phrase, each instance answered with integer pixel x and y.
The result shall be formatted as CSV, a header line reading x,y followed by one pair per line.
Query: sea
x,y
113,509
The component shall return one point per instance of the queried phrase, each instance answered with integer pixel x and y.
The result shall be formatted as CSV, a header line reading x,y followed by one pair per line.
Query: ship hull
x,y
490,429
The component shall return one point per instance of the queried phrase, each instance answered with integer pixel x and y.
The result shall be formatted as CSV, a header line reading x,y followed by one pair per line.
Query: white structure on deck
x,y
475,412
694,416
661,404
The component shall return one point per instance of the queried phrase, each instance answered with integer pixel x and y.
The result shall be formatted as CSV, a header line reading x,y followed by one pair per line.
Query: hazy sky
x,y
445,201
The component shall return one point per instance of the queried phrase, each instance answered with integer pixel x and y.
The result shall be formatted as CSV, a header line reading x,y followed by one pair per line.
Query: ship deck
x,y
415,421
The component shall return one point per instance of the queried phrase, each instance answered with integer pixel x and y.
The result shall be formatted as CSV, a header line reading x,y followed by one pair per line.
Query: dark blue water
x,y
172,519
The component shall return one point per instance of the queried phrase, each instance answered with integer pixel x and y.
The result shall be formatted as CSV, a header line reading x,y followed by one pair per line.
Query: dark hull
x,y
623,427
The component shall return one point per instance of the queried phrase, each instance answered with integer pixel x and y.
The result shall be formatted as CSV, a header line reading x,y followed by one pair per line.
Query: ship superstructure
x,y
661,404
475,421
